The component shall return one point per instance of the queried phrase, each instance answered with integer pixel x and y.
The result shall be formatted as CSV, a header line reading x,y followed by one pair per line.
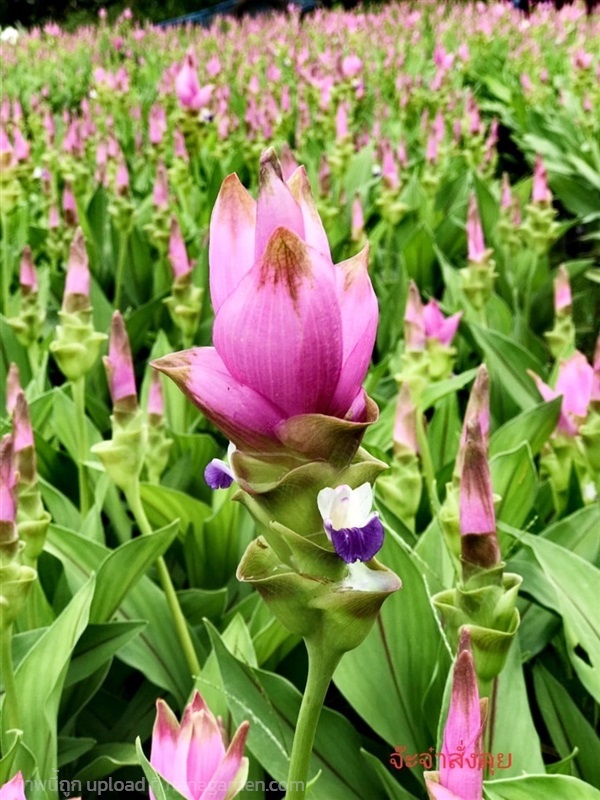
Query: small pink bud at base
x,y
540,192
156,405
78,273
476,244
28,276
177,253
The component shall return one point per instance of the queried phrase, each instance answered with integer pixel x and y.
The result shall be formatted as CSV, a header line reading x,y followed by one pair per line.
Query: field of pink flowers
x,y
300,464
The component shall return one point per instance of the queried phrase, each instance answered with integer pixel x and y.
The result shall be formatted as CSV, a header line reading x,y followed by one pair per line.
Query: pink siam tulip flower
x,y
7,155
157,124
69,205
160,194
478,410
178,256
122,178
439,327
191,96
506,198
389,169
562,290
78,273
22,430
475,241
14,789
595,390
414,321
13,388
53,217
463,732
119,365
405,422
21,145
179,148
28,276
313,322
288,163
156,403
192,757
8,482
351,66
341,122
540,192
575,381
479,542
358,220
213,66
432,149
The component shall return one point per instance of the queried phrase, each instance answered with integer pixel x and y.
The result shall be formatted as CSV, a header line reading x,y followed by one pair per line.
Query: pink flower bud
x,y
414,322
177,252
122,178
439,327
506,199
156,405
358,219
13,388
192,754
341,122
575,382
28,276
351,66
190,94
562,290
389,169
7,156
14,789
540,192
119,365
22,146
476,504
405,422
8,481
78,273
179,148
595,390
160,194
22,430
69,205
463,731
475,241
53,218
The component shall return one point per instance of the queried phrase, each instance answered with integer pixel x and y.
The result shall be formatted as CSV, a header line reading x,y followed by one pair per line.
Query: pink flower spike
x,y
69,205
14,789
78,273
122,178
358,219
8,481
562,290
574,382
439,327
476,243
405,422
464,726
187,86
22,430
506,200
341,122
178,257
540,192
13,388
414,320
28,276
160,194
22,146
119,365
476,497
156,404
179,148
595,391
7,156
192,757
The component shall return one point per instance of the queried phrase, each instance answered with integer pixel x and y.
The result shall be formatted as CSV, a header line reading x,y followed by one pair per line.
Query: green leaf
x,y
508,363
98,644
558,787
533,426
393,790
574,584
156,651
567,726
514,478
436,391
123,568
70,749
41,674
271,704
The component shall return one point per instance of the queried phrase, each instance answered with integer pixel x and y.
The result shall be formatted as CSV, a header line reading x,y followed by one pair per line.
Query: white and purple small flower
x,y
354,529
218,473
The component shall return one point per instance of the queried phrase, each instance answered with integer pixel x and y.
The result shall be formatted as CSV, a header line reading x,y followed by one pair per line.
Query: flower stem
x,y
6,265
427,463
120,273
321,666
11,701
78,389
135,504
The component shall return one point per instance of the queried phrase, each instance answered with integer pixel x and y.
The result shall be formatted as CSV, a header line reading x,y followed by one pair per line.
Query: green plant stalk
x,y
78,389
10,709
6,272
321,666
33,355
135,504
427,464
120,273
